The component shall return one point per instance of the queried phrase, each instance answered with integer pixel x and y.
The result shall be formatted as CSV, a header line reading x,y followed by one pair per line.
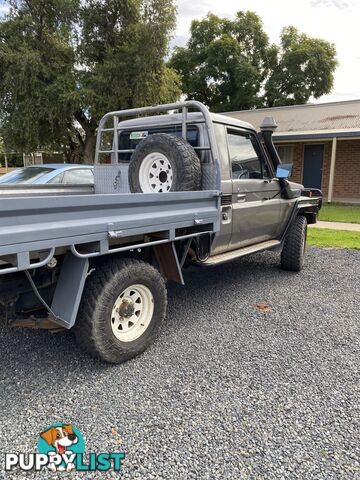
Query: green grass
x,y
325,237
340,212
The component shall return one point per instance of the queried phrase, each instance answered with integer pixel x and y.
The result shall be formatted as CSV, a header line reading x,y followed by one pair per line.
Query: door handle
x,y
241,197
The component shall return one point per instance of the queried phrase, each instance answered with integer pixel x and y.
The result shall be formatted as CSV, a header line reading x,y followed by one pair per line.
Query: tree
x,y
231,65
2,153
67,62
37,76
123,45
303,68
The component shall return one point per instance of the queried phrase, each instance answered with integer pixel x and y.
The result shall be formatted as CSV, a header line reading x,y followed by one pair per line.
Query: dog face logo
x,y
61,447
61,440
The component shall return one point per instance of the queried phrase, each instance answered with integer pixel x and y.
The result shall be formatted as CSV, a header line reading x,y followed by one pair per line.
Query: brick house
x,y
323,143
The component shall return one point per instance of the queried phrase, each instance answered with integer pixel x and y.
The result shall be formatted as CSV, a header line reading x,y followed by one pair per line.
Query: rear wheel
x,y
292,255
123,305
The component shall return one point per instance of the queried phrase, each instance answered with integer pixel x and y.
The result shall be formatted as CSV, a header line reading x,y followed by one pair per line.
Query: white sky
x,y
337,21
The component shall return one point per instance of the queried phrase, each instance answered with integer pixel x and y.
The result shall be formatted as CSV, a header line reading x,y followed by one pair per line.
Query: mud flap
x,y
69,289
168,261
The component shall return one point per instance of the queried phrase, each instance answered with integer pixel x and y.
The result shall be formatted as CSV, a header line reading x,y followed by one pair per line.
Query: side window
x,y
79,176
57,179
245,156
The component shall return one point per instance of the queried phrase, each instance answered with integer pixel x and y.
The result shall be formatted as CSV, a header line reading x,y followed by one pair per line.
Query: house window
x,y
286,153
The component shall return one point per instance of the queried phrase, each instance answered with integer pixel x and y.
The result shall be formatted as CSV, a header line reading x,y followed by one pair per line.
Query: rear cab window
x,y
129,139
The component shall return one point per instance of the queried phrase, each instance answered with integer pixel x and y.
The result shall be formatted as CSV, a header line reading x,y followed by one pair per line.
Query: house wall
x,y
298,149
347,167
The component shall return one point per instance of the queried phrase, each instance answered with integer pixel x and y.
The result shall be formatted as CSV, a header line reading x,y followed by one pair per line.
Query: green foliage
x,y
36,61
124,43
64,63
231,65
304,67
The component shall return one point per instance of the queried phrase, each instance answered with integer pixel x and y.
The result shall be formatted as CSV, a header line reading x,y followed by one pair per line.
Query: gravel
x,y
229,391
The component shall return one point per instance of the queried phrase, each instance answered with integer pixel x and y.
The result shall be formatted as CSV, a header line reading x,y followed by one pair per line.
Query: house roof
x,y
320,120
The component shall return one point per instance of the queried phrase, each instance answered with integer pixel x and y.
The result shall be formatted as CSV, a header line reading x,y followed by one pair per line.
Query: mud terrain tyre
x,y
292,255
122,308
164,163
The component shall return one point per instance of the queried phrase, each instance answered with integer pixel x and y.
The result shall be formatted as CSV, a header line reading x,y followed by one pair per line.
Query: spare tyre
x,y
164,163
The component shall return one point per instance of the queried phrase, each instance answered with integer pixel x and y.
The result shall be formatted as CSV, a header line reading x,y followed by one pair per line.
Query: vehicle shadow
x,y
56,356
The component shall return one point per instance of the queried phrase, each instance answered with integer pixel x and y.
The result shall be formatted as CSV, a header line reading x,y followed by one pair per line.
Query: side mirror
x,y
284,170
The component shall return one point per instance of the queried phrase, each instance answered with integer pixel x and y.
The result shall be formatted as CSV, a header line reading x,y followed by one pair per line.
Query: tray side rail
x,y
37,228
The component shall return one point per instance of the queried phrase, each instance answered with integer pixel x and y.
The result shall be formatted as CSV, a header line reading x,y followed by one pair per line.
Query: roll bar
x,y
151,110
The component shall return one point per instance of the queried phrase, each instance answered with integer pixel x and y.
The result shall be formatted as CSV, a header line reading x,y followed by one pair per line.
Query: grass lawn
x,y
325,237
340,212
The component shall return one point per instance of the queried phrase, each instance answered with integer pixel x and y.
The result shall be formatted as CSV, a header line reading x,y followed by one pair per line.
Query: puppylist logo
x,y
61,447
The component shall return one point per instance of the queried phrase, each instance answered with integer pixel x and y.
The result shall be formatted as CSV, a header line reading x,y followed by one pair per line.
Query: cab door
x,y
256,201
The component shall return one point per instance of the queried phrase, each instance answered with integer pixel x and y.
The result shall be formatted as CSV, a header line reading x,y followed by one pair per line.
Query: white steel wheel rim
x,y
132,313
155,173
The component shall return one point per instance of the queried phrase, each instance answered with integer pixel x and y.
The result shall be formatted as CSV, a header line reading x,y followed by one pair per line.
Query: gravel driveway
x,y
227,392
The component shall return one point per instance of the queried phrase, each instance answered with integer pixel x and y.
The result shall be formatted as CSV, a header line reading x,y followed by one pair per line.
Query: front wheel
x,y
123,305
292,255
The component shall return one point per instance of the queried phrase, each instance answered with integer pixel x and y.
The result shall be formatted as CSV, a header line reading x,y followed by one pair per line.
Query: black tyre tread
x,y
292,255
190,174
87,332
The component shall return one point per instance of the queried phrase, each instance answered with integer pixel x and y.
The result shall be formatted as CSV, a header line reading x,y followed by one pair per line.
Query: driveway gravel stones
x,y
229,390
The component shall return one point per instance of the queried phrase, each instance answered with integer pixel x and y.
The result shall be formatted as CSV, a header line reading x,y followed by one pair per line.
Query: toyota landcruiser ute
x,y
175,186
